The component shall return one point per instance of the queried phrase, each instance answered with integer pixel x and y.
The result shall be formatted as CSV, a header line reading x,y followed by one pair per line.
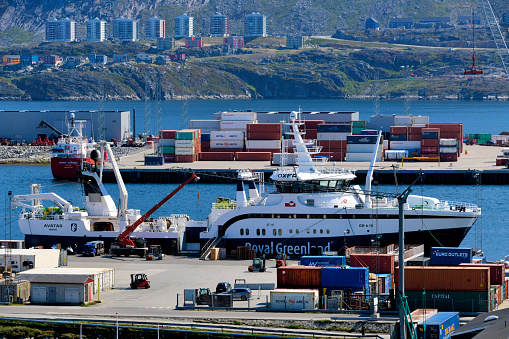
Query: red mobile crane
x,y
124,245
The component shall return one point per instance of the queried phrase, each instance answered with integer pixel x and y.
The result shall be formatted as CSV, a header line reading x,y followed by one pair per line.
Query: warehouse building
x,y
29,125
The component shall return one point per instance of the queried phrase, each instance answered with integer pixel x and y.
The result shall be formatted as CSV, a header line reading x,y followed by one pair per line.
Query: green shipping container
x,y
450,301
359,123
185,135
167,150
357,130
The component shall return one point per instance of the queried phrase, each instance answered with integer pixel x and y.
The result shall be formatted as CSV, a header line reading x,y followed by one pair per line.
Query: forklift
x,y
154,253
139,280
281,259
258,265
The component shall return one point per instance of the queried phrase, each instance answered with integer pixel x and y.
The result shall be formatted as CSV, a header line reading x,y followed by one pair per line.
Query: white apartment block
x,y
61,30
255,24
96,30
125,29
155,28
184,26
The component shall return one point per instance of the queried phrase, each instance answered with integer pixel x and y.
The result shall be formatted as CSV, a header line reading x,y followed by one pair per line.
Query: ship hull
x,y
65,168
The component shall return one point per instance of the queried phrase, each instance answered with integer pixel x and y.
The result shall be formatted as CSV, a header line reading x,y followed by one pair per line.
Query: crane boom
x,y
124,236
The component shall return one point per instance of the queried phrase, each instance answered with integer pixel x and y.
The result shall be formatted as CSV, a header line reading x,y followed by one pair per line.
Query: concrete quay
x,y
475,158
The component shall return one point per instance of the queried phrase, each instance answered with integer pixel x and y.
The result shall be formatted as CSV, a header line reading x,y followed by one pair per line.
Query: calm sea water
x,y
195,199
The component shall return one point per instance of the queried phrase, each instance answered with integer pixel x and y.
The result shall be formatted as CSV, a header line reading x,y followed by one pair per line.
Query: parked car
x,y
223,287
240,293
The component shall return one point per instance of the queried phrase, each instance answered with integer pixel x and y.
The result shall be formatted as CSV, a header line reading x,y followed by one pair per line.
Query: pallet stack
x,y
243,252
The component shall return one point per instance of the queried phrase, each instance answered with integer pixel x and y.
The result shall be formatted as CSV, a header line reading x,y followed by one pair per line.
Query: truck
x,y
93,248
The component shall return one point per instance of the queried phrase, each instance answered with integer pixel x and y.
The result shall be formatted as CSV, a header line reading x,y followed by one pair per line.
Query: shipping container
x,y
39,258
403,120
429,150
430,133
312,124
226,135
446,301
187,134
277,128
363,148
331,136
439,326
299,277
345,277
293,299
166,150
184,143
449,142
376,262
205,137
414,137
216,156
479,260
404,145
264,144
362,139
235,125
169,158
238,116
253,156
184,150
448,150
334,128
399,130
497,272
395,154
415,130
362,157
185,158
205,124
322,261
369,132
154,160
332,144
387,282
358,131
449,157
398,137
205,145
263,135
429,142
226,144
420,120
450,256
312,134
445,278
167,134
448,127
358,123
166,142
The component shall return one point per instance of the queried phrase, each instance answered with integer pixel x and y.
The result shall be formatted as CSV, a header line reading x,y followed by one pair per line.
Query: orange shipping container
x,y
299,277
497,272
445,278
377,263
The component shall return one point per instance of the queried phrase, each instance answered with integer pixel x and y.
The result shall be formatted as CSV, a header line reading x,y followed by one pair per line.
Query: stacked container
x,y
448,150
361,148
167,145
236,121
206,126
430,142
341,278
299,277
450,131
311,128
323,261
481,138
226,141
187,145
450,256
358,126
262,140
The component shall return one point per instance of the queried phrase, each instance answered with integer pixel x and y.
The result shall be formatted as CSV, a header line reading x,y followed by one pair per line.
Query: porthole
x,y
247,231
297,230
291,231
280,232
257,231
274,232
263,231
308,231
314,231
321,231
328,231
241,231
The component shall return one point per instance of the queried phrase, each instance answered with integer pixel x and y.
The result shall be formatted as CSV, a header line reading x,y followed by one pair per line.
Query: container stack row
x,y
361,147
179,146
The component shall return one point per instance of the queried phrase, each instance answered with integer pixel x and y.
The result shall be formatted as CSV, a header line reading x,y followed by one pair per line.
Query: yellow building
x,y
11,59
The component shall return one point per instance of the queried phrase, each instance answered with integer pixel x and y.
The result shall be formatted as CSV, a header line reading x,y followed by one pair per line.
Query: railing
x,y
43,216
458,206
224,205
209,245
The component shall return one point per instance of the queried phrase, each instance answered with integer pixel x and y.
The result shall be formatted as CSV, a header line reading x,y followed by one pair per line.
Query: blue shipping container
x,y
322,261
450,256
369,132
440,326
205,137
429,135
398,137
362,139
154,160
342,128
345,277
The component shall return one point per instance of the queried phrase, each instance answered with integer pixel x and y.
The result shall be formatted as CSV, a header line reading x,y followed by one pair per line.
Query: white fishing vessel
x,y
315,208
98,219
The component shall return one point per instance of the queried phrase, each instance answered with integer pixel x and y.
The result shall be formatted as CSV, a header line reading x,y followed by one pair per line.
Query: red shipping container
x,y
185,158
335,144
501,162
264,128
430,142
450,135
415,129
447,127
428,129
429,150
167,134
445,278
311,124
497,272
399,130
263,150
413,137
449,157
264,135
169,157
216,156
377,263
253,156
299,277
205,145
225,150
310,134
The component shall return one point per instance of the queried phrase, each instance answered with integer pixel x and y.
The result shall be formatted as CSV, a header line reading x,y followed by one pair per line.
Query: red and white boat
x,y
71,152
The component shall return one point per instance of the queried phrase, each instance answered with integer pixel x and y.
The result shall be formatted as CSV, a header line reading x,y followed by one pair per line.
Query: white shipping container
x,y
205,124
40,258
184,143
449,142
386,144
362,148
166,142
420,120
227,144
361,157
403,120
184,150
502,138
289,158
226,135
238,116
399,145
395,154
448,150
235,125
331,136
293,299
264,144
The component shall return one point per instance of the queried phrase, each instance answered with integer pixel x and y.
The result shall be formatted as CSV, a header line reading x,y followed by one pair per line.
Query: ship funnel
x,y
253,191
241,195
